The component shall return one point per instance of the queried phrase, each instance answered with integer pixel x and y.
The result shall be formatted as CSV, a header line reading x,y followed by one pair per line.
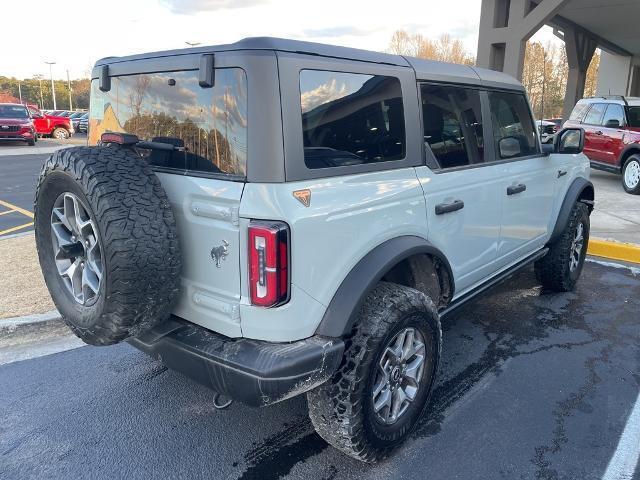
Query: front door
x,y
527,190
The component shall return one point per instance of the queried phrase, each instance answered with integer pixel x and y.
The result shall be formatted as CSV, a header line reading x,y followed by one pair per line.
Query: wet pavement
x,y
531,385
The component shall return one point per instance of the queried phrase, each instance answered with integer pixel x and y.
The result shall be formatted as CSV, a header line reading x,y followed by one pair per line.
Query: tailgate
x,y
206,212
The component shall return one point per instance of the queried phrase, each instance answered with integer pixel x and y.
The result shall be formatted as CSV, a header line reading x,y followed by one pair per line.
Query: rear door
x,y
613,136
204,178
460,188
594,140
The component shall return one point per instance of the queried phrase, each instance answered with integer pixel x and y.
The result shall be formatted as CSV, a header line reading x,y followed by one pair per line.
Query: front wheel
x,y
559,270
380,390
631,175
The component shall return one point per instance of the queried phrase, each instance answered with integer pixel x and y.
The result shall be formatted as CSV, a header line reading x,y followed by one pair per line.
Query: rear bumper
x,y
254,372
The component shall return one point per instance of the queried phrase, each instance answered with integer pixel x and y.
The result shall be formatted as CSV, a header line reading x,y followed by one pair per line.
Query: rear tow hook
x,y
218,404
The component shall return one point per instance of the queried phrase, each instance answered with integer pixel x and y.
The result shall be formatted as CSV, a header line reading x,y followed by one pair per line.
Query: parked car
x,y
16,124
76,118
547,130
295,218
612,135
51,125
83,124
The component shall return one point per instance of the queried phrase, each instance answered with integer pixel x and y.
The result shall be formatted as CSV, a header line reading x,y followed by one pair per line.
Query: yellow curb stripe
x,y
16,208
627,252
13,229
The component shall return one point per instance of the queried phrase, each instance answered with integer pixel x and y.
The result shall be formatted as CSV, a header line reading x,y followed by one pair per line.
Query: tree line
x,y
38,92
544,75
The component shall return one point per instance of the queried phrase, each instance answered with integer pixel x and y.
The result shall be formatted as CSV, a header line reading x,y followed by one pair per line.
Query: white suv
x,y
275,217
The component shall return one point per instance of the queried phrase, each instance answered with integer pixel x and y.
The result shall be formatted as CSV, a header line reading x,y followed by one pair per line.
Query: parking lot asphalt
x,y
531,386
18,176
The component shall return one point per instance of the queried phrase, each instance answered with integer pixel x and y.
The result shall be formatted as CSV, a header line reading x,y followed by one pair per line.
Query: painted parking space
x,y
14,219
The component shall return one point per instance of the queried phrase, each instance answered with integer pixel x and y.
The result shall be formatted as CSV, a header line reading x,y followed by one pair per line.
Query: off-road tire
x,y
552,270
137,233
60,130
341,409
632,190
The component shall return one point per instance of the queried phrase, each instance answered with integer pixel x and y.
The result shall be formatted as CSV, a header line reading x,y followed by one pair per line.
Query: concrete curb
x,y
41,322
626,252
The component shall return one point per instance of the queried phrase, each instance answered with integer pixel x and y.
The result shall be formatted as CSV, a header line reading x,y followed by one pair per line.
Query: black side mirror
x,y
612,123
509,147
569,140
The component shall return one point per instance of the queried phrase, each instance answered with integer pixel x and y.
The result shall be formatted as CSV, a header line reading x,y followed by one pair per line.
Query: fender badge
x,y
303,196
219,253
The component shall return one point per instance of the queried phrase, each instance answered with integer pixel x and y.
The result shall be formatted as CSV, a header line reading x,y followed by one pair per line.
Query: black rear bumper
x,y
251,371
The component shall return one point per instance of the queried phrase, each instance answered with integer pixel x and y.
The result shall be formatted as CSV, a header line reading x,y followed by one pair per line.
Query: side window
x,y
614,112
594,117
513,129
452,120
578,112
350,119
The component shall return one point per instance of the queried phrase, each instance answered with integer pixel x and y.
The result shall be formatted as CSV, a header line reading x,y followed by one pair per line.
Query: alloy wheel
x,y
398,375
77,250
632,174
576,247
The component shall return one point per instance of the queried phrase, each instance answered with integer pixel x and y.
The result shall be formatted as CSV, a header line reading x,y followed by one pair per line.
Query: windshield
x,y
633,116
171,107
13,111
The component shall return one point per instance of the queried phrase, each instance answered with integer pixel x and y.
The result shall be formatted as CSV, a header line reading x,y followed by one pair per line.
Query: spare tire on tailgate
x,y
107,242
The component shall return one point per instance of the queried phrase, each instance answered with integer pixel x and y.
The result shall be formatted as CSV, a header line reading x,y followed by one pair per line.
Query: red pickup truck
x,y
50,125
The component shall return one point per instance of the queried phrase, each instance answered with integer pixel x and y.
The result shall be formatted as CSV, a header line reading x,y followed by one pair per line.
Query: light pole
x,y
69,87
20,91
544,81
39,77
53,88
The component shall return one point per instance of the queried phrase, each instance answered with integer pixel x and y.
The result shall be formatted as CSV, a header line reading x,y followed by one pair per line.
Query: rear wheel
x,y
60,133
380,390
631,175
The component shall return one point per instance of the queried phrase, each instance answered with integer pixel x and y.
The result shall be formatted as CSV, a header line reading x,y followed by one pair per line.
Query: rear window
x,y
170,107
578,112
350,119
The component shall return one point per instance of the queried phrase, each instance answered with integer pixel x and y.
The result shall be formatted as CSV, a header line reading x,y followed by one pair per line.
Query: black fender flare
x,y
575,191
341,313
632,146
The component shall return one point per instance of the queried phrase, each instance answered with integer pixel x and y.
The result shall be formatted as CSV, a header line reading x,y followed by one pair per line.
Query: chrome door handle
x,y
442,208
598,132
513,189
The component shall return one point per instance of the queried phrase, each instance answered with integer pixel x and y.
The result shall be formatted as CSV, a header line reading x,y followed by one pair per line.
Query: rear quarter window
x,y
171,107
351,119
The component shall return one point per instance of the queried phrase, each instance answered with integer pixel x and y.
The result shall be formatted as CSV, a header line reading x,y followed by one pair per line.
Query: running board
x,y
493,281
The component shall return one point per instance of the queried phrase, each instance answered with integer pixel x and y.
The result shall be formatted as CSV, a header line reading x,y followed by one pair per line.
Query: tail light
x,y
268,263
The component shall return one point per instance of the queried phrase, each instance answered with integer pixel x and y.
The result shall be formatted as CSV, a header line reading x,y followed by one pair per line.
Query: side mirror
x,y
612,123
569,140
509,147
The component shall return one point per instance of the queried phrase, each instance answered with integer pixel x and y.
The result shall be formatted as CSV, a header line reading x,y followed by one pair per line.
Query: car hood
x,y
14,121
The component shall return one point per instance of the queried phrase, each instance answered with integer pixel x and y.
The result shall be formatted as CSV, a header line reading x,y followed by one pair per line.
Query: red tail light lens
x,y
268,263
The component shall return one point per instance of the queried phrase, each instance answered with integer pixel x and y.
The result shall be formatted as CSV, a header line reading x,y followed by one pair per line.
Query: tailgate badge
x,y
303,196
219,253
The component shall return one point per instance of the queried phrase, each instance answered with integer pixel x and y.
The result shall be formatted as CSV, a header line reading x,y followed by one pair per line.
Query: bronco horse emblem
x,y
218,254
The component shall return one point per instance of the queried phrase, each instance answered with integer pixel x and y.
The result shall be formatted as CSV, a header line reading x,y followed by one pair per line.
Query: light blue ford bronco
x,y
275,217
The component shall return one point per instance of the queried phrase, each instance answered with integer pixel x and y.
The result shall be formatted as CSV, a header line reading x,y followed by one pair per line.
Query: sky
x,y
76,33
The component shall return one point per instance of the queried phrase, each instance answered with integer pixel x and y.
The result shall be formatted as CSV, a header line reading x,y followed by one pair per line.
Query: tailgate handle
x,y
442,208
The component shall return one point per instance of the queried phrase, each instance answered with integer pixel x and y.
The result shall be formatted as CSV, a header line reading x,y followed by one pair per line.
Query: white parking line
x,y
625,459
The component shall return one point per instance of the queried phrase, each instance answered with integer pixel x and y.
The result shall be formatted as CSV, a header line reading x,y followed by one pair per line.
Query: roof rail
x,y
614,97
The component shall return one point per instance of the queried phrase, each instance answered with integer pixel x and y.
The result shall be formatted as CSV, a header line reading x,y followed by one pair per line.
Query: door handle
x,y
598,132
513,189
561,173
442,208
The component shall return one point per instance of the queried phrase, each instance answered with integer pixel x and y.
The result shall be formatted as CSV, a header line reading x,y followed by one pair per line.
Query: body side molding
x,y
340,314
574,192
